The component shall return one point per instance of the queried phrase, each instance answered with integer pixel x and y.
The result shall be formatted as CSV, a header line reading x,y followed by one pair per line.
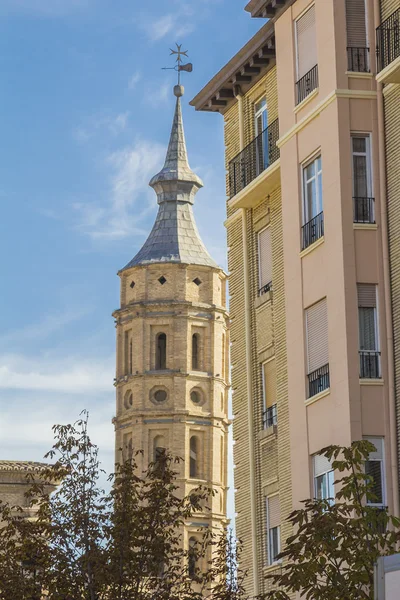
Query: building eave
x,y
244,70
267,9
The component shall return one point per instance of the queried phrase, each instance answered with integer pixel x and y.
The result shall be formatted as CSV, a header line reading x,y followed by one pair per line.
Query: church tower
x,y
173,341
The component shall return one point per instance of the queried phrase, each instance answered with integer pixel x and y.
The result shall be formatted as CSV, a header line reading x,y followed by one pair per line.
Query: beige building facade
x,y
312,159
172,344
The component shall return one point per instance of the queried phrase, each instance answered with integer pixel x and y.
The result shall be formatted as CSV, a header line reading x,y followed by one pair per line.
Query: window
x,y
357,41
370,367
261,124
313,216
306,51
273,519
128,354
375,467
324,488
192,557
270,417
128,399
260,116
264,261
194,458
161,351
159,448
195,351
317,348
362,179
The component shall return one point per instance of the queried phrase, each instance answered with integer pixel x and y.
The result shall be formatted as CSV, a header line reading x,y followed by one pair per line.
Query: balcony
x,y
318,381
364,210
270,416
306,84
255,158
312,231
388,49
358,59
370,364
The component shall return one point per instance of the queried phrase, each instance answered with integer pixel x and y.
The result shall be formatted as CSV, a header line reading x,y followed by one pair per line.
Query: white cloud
x,y
134,80
132,168
180,23
114,125
74,375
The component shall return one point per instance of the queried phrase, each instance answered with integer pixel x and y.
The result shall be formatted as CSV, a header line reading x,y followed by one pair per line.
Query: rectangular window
x,y
324,488
375,467
273,521
264,261
368,334
270,415
313,216
357,37
261,131
317,348
363,200
306,54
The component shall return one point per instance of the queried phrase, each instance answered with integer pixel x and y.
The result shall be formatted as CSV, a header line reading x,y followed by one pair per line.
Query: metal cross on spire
x,y
180,67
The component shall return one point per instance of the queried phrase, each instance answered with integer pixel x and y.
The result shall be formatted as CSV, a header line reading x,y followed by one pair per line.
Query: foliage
x,y
332,553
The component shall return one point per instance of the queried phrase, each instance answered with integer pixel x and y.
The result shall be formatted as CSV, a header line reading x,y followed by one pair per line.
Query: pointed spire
x,y
174,237
176,167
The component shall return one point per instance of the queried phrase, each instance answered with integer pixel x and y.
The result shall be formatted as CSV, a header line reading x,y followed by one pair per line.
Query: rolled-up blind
x,y
356,24
317,336
265,256
366,293
274,512
269,377
306,42
321,465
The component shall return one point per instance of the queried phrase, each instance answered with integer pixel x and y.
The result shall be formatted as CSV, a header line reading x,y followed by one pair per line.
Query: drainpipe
x,y
386,285
237,90
247,307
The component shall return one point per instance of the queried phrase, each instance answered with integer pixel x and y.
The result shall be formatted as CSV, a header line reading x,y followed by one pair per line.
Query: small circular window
x,y
195,397
160,396
128,401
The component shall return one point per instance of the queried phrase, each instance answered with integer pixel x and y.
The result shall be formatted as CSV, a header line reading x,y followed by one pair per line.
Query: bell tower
x,y
173,341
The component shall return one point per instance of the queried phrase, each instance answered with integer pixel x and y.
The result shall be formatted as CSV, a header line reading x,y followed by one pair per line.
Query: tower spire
x,y
174,237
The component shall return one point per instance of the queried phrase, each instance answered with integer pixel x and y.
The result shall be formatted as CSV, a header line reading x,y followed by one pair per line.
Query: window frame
x,y
270,531
376,323
264,395
369,162
296,43
325,473
260,283
306,218
382,462
260,113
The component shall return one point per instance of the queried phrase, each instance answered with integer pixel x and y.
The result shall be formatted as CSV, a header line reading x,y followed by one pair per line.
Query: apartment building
x,y
312,125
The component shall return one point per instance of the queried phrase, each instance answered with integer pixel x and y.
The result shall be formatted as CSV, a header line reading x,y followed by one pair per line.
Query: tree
x,y
336,542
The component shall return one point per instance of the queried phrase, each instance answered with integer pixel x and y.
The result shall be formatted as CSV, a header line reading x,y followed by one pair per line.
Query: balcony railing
x,y
388,40
254,159
318,381
364,211
306,84
312,231
270,416
265,288
358,59
370,364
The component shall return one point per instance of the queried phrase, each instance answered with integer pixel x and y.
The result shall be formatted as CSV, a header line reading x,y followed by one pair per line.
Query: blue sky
x,y
85,117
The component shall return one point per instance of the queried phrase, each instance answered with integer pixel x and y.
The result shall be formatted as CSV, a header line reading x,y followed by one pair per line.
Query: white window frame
x,y
323,474
376,324
383,471
368,156
269,530
259,113
306,217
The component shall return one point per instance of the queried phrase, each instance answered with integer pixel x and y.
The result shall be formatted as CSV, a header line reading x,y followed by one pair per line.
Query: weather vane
x,y
179,67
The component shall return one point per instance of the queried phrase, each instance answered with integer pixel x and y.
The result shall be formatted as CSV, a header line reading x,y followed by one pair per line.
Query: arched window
x,y
161,351
194,457
128,399
195,352
158,447
192,558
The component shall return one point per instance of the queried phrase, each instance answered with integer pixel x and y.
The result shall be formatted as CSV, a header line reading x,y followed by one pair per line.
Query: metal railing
x,y
254,159
388,40
370,364
318,381
364,211
270,416
265,288
358,59
306,84
312,231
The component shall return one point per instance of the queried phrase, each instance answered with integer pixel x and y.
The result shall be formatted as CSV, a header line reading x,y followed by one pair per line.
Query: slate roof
x,y
175,237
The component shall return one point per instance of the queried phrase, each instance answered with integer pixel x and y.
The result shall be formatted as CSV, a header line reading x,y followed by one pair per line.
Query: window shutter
x,y
356,24
306,43
366,295
321,465
378,443
265,256
274,512
269,383
317,336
